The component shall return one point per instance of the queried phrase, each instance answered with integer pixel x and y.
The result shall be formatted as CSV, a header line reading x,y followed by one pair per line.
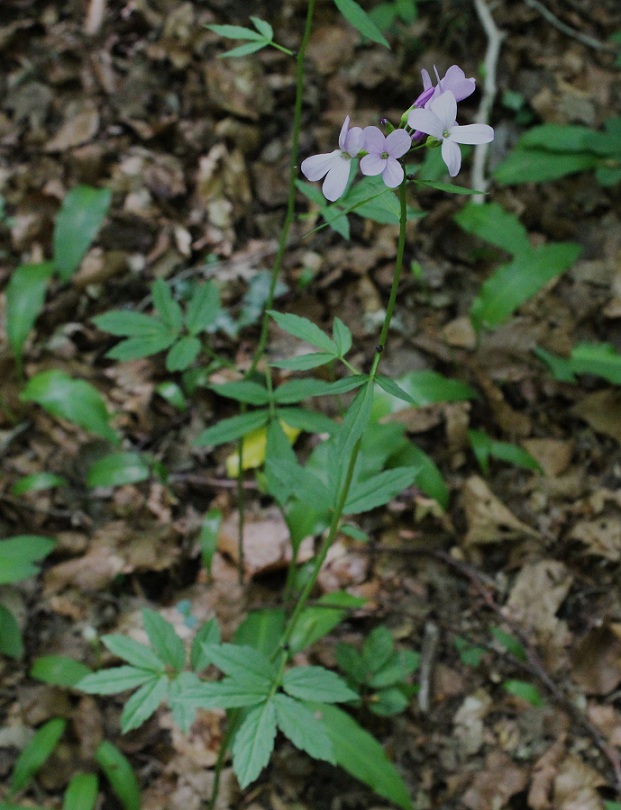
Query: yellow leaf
x,y
253,449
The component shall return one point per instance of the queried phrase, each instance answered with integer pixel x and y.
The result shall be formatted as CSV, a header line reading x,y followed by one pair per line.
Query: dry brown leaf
x,y
499,780
75,131
602,411
554,455
575,787
608,721
602,536
489,520
537,594
596,661
468,720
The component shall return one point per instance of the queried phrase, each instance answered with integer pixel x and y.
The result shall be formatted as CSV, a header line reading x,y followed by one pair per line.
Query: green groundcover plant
x,y
359,461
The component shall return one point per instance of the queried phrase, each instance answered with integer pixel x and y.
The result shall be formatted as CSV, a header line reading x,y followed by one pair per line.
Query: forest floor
x,y
195,151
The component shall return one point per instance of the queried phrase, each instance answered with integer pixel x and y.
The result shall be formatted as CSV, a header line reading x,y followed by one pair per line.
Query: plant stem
x,y
337,515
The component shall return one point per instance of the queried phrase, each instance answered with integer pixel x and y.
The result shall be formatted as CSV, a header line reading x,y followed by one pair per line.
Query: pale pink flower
x,y
454,80
384,151
335,165
438,120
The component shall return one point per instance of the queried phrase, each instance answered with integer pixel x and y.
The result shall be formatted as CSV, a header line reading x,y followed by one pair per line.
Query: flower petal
x,y
393,173
455,80
398,143
343,132
314,168
427,83
472,133
336,179
426,121
372,164
445,108
374,140
354,141
451,155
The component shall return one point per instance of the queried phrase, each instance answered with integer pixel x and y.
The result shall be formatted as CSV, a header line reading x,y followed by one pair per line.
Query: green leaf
x,y
38,481
183,353
316,683
484,446
378,490
244,391
360,754
166,643
36,752
355,421
304,362
378,648
541,166
236,32
612,805
173,394
118,469
126,323
513,284
303,728
243,50
25,294
560,367
139,347
600,359
357,16
449,188
293,391
166,307
334,215
509,642
208,537
390,701
318,620
208,634
230,693
11,643
183,714
342,337
19,554
76,401
263,27
399,666
115,680
305,330
81,792
135,653
119,773
240,660
81,215
143,703
391,387
58,670
203,308
493,224
253,742
524,691
227,430
428,476
262,630
469,654
304,419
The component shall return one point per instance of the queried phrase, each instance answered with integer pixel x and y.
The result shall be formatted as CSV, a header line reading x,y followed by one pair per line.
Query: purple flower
x,y
438,120
384,151
454,80
335,165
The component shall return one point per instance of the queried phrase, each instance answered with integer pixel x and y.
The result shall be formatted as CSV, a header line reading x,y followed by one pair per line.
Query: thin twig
x,y
494,39
585,39
429,651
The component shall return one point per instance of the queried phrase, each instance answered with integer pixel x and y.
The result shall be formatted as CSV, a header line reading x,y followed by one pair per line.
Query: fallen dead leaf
x,y
575,787
596,661
602,536
489,520
75,131
602,411
499,780
554,455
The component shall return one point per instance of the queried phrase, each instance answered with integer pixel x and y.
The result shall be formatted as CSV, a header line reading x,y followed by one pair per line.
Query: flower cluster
x,y
433,113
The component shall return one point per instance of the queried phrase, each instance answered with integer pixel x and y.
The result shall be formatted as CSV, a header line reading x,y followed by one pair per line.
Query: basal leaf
x,y
58,670
126,323
76,401
263,27
203,308
252,393
237,660
118,469
119,773
600,359
144,346
261,630
19,554
37,482
243,50
11,643
36,752
253,742
81,215
493,224
304,362
135,653
208,634
167,308
183,353
236,32
541,166
81,792
25,294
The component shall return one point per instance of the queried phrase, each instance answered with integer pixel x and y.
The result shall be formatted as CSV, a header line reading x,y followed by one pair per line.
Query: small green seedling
x,y
380,672
484,448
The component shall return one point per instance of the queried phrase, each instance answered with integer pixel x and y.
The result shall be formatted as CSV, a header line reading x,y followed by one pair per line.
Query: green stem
x,y
337,515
